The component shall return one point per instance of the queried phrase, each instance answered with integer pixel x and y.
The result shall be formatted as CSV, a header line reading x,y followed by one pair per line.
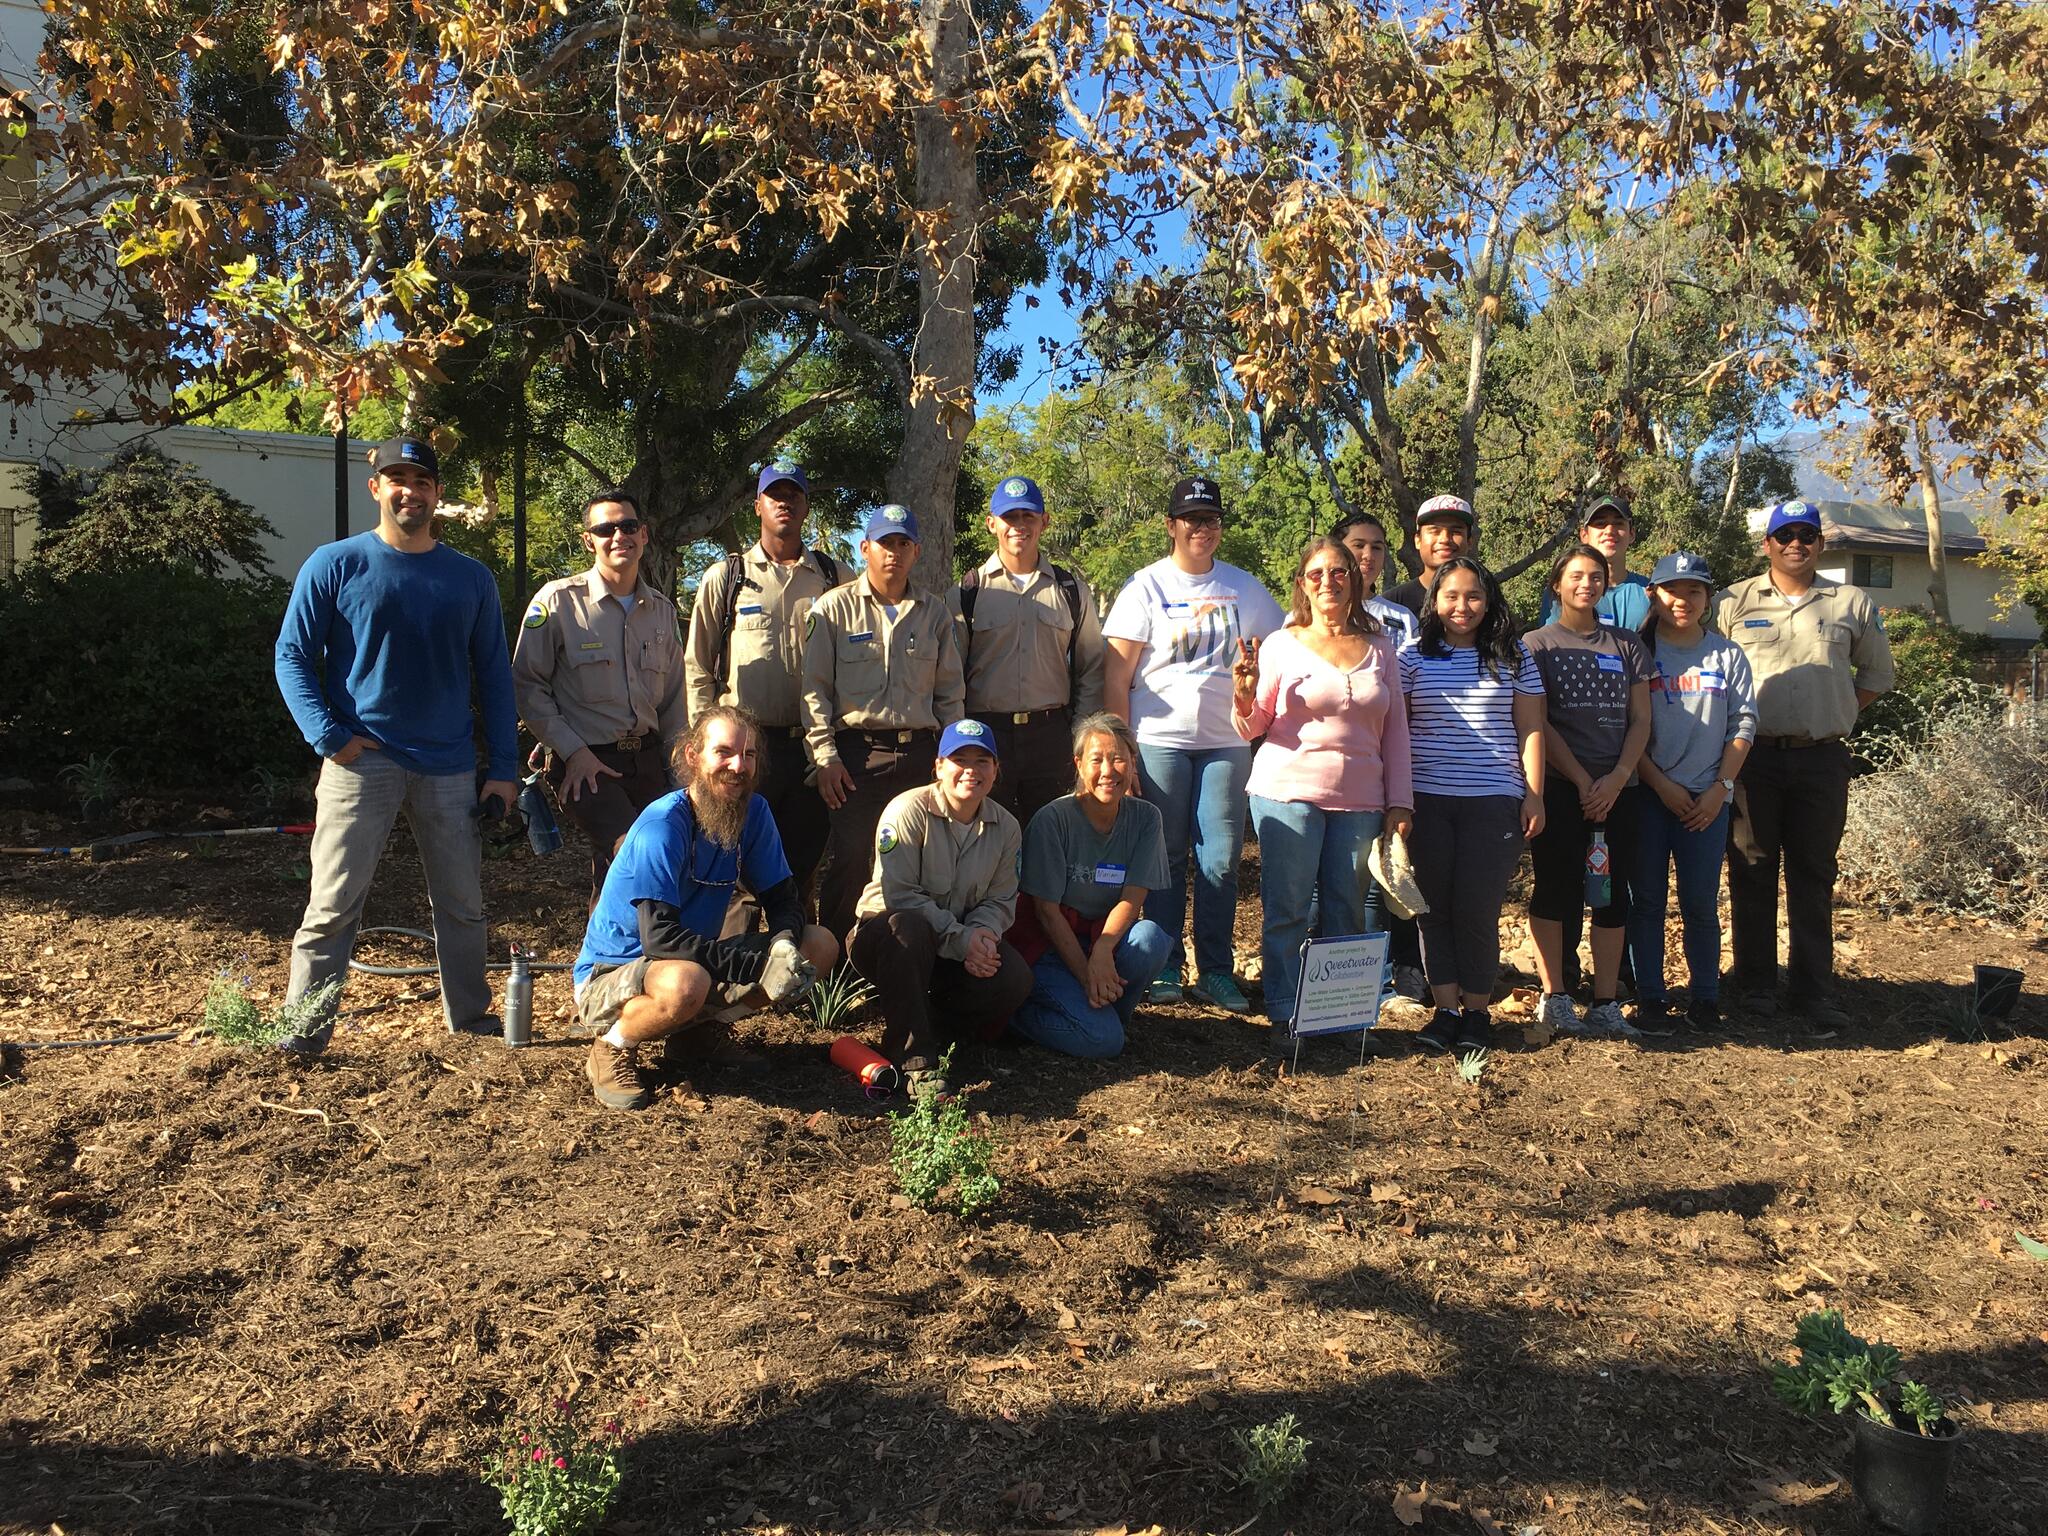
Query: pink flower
x,y
561,1405
539,1454
611,1426
524,1438
561,1465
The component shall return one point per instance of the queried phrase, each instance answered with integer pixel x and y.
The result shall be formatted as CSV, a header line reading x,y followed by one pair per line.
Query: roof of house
x,y
1859,513
1865,525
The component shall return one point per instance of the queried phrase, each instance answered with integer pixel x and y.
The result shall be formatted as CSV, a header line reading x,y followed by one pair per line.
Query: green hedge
x,y
169,670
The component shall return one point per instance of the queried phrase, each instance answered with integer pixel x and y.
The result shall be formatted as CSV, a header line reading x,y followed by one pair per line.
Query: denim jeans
x,y
1660,844
1058,1015
357,807
1200,795
1304,850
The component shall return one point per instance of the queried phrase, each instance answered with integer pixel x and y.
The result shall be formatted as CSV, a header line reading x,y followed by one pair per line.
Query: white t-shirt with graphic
x,y
1189,627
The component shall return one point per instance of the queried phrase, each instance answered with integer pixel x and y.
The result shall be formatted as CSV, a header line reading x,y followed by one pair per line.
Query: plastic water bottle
x,y
518,1013
1599,872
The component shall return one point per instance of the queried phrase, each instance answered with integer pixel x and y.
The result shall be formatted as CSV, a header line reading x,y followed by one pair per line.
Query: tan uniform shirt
x,y
1016,656
959,875
1809,658
587,673
765,661
867,672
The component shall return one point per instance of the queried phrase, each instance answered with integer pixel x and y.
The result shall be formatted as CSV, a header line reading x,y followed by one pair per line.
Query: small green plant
x,y
839,997
553,1477
93,782
932,1147
229,1014
1275,1456
272,789
1838,1371
1472,1066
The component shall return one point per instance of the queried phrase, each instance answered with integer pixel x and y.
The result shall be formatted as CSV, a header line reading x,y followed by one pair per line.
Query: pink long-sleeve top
x,y
1334,738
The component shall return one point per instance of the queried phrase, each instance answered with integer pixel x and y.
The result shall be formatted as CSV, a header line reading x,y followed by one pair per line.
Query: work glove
x,y
787,974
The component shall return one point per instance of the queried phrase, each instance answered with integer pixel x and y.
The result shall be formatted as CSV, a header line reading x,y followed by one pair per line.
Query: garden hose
x,y
430,970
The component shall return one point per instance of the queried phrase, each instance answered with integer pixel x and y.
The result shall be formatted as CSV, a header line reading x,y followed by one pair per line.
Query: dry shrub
x,y
1956,819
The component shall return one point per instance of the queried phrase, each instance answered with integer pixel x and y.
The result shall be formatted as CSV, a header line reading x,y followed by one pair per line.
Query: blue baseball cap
x,y
967,733
1682,566
782,469
884,521
1016,494
1788,513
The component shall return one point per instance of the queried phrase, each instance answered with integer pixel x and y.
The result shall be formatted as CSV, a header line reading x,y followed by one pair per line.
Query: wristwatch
x,y
1729,785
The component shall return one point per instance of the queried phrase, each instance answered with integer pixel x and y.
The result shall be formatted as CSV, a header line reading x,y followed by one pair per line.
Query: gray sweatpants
x,y
1465,850
357,807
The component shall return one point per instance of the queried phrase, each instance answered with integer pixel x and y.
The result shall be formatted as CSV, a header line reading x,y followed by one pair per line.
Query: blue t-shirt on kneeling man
x,y
665,857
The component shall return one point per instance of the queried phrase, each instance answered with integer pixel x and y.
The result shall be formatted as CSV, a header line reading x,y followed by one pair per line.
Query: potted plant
x,y
1904,1439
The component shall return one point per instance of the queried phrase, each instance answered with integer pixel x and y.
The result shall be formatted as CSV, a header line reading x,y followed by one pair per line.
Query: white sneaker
x,y
1560,1016
1607,1019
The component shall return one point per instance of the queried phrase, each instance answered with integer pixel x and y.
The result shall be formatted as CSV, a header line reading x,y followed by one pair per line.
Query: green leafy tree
x,y
142,511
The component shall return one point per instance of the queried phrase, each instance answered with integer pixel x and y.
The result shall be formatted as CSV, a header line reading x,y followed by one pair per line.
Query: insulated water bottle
x,y
874,1070
518,1015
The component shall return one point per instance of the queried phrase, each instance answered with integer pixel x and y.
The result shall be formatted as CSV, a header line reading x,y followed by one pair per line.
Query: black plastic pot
x,y
1998,989
1901,1476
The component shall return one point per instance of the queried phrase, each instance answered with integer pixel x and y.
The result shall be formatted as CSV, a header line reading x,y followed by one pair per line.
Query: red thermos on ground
x,y
873,1069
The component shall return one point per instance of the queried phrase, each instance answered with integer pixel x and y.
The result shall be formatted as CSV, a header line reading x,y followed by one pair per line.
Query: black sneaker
x,y
1654,1017
1440,1034
1475,1031
1703,1013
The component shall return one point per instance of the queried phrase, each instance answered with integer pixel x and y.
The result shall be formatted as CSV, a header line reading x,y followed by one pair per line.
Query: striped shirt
x,y
1461,722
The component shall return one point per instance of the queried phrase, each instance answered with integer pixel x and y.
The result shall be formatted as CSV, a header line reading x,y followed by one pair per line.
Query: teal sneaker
x,y
1165,989
1220,990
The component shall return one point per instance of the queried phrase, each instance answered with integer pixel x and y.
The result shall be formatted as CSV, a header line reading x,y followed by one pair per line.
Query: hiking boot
x,y
615,1076
1441,1033
1560,1014
1219,989
1165,988
1607,1020
1475,1031
1703,1013
1407,981
1821,1013
927,1083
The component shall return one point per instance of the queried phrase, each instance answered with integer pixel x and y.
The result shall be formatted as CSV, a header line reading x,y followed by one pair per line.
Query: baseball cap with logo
x,y
884,521
1682,566
1016,494
967,733
1196,494
1788,514
395,451
1607,501
782,469
1445,508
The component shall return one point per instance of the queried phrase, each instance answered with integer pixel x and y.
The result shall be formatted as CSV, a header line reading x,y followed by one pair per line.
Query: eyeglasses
x,y
1798,533
1318,575
1201,524
625,526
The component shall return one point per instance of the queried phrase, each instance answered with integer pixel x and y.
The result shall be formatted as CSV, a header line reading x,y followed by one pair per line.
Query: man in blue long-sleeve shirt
x,y
384,636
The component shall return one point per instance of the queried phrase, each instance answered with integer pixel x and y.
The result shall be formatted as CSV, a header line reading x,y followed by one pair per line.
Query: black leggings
x,y
1558,855
1465,849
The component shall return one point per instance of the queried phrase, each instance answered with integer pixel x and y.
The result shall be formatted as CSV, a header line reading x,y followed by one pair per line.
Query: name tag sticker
x,y
864,634
1111,874
1609,663
1756,623
591,645
750,608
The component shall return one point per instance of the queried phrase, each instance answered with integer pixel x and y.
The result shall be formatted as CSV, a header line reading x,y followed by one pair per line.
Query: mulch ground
x,y
239,1295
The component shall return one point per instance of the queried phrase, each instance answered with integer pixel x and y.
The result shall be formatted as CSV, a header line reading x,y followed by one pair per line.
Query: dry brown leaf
x,y
1340,1349
1483,1518
1315,1194
1480,1443
1384,1192
1408,1506
1005,1363
1630,1501
1064,1319
65,1199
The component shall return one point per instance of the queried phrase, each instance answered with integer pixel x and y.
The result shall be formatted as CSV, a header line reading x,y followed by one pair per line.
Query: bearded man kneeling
x,y
652,964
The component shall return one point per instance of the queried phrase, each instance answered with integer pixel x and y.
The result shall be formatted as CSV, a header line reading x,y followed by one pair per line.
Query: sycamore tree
x,y
392,199
1376,188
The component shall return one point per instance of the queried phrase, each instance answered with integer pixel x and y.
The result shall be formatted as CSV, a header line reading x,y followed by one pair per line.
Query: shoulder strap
x,y
728,613
1071,590
970,589
827,568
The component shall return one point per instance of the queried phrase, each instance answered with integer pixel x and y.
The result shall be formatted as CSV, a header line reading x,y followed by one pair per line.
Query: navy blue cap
x,y
1197,494
1788,513
1016,494
884,521
394,451
967,733
1606,501
782,469
1682,566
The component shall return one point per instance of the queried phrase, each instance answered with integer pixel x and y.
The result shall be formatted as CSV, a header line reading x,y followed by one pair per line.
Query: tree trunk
x,y
1937,546
940,412
1493,261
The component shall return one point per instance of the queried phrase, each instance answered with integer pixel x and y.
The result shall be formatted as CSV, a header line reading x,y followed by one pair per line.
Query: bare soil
x,y
240,1295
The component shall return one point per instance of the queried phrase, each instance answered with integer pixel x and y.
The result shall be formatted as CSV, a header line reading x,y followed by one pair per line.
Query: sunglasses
x,y
1798,533
626,526
1320,574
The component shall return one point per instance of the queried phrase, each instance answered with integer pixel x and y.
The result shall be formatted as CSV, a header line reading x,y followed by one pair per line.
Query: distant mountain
x,y
1961,492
